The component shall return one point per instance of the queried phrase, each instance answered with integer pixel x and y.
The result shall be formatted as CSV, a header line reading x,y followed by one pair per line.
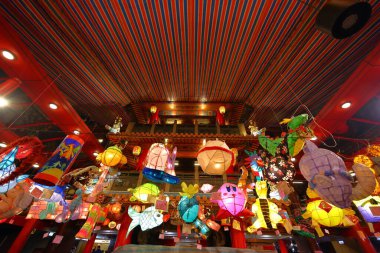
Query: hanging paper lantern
x,y
279,169
324,213
365,182
153,109
159,166
188,209
215,158
145,193
236,153
206,188
61,160
136,150
326,172
374,150
363,159
213,225
231,201
112,224
265,210
115,208
148,219
369,208
112,156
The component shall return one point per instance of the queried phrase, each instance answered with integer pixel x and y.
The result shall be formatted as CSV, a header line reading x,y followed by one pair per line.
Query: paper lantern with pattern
x,y
215,157
279,169
188,209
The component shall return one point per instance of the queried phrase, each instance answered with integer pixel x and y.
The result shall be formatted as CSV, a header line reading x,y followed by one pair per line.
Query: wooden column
x,y
139,180
242,129
167,187
282,246
217,128
174,127
196,174
152,128
122,238
224,178
130,127
196,127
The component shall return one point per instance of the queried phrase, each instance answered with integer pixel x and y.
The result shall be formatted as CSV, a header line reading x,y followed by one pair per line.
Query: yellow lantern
x,y
222,109
374,150
136,150
363,159
153,109
115,208
112,156
112,224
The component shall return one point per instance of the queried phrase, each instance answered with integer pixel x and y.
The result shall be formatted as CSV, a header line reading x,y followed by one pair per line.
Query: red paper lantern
x,y
136,150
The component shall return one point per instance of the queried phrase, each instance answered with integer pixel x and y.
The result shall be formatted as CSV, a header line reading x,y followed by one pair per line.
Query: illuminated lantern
x,y
222,109
112,156
206,188
232,201
159,165
136,150
324,213
145,193
106,222
365,182
213,225
115,208
61,160
363,159
188,209
236,153
265,211
147,219
96,214
279,169
215,157
112,224
153,109
369,208
203,229
326,172
7,167
374,150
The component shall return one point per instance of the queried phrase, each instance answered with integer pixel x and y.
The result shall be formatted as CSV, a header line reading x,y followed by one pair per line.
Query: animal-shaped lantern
x,y
145,193
326,172
265,211
325,214
279,169
231,201
159,165
215,158
147,219
97,214
112,156
15,201
369,208
188,206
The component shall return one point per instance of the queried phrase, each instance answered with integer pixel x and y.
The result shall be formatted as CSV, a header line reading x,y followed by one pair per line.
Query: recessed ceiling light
x,y
293,159
3,145
314,138
95,153
3,102
76,132
203,106
172,105
100,140
53,106
8,55
36,165
346,105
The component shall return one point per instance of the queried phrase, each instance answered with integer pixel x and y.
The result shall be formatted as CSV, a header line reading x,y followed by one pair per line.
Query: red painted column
x,y
23,236
362,238
282,246
90,244
238,239
121,236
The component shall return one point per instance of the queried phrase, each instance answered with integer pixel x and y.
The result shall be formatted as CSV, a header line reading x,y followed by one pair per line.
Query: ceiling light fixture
x,y
36,165
346,105
8,55
203,106
3,102
100,140
53,106
95,153
293,159
3,145
76,132
172,105
314,138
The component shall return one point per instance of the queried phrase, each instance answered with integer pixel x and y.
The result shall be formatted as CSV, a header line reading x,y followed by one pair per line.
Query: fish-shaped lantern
x,y
326,173
159,165
112,156
148,219
144,192
231,201
188,209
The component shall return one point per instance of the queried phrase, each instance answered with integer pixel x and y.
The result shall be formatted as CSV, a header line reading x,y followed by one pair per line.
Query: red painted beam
x,y
358,89
366,121
41,89
9,86
6,135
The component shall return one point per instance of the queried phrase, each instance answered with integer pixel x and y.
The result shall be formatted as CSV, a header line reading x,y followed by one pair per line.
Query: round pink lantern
x,y
231,199
215,157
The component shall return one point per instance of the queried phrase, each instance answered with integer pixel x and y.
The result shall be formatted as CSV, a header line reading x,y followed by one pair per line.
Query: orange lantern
x,y
222,109
106,222
112,156
153,109
136,150
213,225
115,208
